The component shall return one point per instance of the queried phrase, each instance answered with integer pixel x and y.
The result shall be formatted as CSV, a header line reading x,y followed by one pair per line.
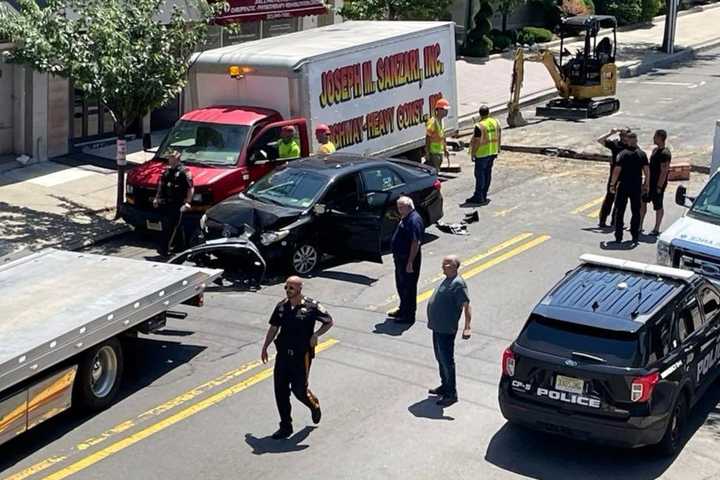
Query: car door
x,y
690,335
350,225
381,179
261,155
709,301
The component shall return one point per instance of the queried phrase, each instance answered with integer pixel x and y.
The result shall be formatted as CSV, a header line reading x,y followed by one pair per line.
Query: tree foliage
x,y
395,9
123,52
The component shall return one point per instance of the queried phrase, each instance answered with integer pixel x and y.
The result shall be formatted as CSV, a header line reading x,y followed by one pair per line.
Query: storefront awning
x,y
255,10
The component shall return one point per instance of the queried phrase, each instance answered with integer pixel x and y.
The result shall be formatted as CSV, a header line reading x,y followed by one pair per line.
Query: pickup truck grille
x,y
703,264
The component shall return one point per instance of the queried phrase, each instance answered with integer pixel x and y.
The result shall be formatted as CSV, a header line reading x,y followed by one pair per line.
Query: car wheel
x,y
305,258
674,436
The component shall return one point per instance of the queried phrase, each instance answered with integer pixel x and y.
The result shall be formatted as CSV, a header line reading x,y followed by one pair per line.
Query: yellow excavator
x,y
585,81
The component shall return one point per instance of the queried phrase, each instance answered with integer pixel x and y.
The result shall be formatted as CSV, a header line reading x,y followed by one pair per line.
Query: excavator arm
x,y
515,118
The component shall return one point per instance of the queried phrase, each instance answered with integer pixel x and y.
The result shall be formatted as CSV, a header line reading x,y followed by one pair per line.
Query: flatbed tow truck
x,y
62,318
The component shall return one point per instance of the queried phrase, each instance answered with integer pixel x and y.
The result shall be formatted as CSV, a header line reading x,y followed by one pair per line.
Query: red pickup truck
x,y
224,147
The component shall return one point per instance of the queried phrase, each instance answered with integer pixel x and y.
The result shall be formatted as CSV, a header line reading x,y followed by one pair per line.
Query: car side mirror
x,y
377,199
681,196
319,209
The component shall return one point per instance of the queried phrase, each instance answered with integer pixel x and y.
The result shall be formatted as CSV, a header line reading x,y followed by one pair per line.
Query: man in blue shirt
x,y
448,300
406,243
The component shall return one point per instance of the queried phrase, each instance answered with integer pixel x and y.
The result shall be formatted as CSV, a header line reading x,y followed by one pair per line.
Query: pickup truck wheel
x,y
99,375
672,441
305,258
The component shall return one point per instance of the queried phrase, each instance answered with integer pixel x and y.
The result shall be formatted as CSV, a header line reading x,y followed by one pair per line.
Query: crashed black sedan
x,y
340,205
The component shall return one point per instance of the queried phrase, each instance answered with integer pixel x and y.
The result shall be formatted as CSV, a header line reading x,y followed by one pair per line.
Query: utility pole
x,y
671,7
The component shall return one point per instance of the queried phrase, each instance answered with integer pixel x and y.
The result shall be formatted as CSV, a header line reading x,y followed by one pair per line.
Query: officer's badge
x,y
303,310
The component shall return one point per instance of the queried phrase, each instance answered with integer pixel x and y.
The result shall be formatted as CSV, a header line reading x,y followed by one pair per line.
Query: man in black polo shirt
x,y
406,243
173,196
659,168
615,147
294,318
633,174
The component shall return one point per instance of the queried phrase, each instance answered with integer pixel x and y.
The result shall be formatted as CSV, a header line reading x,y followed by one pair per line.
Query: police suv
x,y
617,352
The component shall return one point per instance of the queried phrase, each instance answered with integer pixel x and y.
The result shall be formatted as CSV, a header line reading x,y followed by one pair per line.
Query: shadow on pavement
x,y
146,361
548,456
267,444
392,328
428,408
348,277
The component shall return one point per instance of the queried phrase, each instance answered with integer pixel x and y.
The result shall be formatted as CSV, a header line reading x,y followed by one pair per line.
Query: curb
x,y
572,154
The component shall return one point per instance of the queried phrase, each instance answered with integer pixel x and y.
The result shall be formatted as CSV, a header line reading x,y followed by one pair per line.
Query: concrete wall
x,y
58,124
7,82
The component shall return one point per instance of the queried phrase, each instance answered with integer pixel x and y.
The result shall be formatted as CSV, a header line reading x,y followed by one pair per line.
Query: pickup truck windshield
x,y
205,143
289,187
707,204
563,339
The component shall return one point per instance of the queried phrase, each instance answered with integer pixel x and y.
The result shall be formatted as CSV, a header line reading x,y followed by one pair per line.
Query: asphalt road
x,y
197,403
681,99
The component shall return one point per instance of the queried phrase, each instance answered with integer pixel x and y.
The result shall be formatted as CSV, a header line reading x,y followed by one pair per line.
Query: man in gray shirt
x,y
448,301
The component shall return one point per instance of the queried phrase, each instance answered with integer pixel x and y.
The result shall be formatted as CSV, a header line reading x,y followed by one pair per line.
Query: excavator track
x,y
566,109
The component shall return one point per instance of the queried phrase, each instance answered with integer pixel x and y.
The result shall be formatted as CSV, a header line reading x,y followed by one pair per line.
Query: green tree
x,y
395,9
122,52
506,7
479,43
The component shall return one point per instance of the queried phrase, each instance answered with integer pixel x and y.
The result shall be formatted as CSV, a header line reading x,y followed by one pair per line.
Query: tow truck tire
x,y
98,376
674,437
305,258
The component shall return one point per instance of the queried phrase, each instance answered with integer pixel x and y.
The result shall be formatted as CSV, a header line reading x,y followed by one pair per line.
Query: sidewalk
x,y
70,203
489,81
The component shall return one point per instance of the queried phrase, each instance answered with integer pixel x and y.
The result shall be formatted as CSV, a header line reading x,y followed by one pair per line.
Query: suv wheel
x,y
672,441
305,258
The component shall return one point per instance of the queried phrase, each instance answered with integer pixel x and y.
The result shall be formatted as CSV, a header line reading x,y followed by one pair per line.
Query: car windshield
x,y
564,339
707,204
289,187
205,143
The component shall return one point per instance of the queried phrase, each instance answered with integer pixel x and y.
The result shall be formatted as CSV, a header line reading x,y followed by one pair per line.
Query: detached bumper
x,y
234,255
630,433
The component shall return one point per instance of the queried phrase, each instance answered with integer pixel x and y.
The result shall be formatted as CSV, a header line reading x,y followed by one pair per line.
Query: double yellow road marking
x,y
160,425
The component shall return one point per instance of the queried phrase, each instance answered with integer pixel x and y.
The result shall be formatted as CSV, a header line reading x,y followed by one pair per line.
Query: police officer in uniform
x,y
292,327
173,196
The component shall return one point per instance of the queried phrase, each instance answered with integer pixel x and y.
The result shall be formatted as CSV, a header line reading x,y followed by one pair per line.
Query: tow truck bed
x,y
55,304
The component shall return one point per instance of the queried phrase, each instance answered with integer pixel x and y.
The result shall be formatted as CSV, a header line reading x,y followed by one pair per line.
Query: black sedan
x,y
341,205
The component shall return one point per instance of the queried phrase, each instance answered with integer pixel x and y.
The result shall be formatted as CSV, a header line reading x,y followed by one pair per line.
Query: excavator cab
x,y
587,75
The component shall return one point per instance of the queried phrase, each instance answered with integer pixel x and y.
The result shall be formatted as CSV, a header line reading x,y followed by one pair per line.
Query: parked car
x,y
618,352
341,205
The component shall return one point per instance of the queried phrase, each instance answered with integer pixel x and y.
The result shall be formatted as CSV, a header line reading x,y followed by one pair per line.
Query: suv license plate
x,y
569,384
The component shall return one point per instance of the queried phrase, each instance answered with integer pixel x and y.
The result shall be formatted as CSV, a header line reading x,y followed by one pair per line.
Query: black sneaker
x,y
436,391
472,200
282,433
447,401
394,313
316,414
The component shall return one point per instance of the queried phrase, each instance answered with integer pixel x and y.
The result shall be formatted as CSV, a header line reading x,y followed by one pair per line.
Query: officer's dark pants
x,y
607,205
291,375
635,197
170,222
406,284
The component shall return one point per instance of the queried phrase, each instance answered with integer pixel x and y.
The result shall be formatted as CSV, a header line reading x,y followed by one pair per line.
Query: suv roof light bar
x,y
646,268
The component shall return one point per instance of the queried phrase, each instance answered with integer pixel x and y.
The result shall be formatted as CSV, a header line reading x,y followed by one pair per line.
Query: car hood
x,y
261,216
692,231
148,174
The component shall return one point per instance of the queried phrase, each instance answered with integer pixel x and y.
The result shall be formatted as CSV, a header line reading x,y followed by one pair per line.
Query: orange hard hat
x,y
442,103
322,128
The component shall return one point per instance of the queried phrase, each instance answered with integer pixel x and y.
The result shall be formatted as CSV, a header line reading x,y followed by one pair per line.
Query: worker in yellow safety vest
x,y
288,146
435,144
322,134
484,148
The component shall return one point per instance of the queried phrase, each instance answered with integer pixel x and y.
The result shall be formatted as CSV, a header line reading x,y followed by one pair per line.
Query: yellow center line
x,y
589,205
188,412
153,412
491,263
472,260
594,214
